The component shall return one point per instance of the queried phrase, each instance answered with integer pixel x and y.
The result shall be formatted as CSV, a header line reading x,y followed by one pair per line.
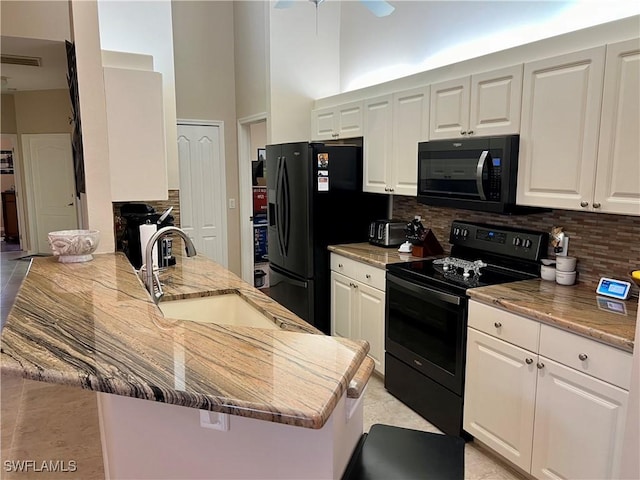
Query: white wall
x,y
303,65
97,209
251,47
145,27
421,35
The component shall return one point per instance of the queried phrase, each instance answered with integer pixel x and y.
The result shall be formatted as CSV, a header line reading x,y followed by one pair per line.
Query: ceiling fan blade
x,y
379,8
283,4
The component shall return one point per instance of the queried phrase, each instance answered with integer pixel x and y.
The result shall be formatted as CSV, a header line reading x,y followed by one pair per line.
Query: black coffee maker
x,y
136,214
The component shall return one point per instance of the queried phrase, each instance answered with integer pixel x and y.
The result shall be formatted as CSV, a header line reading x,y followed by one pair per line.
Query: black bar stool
x,y
394,453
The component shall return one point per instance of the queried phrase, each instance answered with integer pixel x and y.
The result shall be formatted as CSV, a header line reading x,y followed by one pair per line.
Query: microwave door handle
x,y
479,169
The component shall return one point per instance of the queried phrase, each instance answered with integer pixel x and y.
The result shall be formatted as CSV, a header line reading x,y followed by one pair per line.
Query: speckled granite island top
x,y
574,308
93,325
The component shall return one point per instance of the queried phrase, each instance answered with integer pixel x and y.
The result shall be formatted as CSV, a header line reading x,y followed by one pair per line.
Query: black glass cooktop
x,y
453,279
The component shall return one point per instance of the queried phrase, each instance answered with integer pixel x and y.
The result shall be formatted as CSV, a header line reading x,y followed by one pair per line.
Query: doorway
x,y
251,137
12,219
203,190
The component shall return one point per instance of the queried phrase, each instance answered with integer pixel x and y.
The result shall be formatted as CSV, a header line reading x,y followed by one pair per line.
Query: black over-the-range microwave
x,y
477,173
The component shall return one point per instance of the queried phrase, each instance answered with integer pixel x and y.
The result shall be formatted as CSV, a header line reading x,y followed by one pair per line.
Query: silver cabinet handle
x,y
596,205
391,189
540,365
497,325
470,132
528,361
355,285
339,265
386,189
583,356
368,275
463,132
584,204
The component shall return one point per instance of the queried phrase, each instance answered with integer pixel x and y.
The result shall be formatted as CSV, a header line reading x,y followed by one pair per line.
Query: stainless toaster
x,y
387,233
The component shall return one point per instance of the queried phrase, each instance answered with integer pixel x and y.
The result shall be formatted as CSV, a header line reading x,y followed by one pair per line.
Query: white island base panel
x,y
143,439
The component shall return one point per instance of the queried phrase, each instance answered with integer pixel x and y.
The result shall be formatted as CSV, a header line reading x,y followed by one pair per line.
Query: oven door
x,y
426,329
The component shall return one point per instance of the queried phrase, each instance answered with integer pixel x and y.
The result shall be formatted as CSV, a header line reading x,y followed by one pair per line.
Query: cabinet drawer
x,y
362,272
601,361
507,326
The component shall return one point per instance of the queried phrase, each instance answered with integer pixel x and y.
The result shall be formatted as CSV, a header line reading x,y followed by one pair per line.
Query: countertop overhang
x,y
93,325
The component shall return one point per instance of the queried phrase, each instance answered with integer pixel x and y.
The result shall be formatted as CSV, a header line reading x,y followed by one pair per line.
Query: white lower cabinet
x,y
560,417
579,424
358,304
500,393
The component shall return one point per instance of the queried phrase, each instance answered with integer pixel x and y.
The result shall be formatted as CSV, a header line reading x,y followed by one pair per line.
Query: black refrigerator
x,y
315,198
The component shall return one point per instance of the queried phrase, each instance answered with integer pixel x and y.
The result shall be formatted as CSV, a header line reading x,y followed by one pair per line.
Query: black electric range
x,y
426,314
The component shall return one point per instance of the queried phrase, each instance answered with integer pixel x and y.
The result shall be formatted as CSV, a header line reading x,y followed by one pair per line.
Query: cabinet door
x,y
500,391
341,306
349,116
324,123
449,108
369,317
559,134
617,186
579,425
135,129
410,126
496,99
378,133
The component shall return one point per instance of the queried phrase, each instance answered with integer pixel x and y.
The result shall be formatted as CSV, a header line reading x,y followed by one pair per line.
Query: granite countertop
x,y
93,325
372,254
574,308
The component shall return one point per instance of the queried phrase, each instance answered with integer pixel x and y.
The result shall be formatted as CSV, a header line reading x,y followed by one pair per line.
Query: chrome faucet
x,y
151,280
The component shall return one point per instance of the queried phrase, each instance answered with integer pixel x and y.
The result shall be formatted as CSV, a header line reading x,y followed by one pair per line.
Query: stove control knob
x,y
465,232
517,241
456,231
527,243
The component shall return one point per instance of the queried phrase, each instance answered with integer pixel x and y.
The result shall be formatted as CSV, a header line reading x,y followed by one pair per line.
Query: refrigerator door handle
x,y
279,205
286,234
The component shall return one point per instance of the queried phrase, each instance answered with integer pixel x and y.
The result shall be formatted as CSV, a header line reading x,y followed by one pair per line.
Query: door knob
x,y
584,204
540,365
583,356
528,361
596,205
497,325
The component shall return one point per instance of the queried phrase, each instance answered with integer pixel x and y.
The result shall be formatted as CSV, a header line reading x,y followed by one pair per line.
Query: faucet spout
x,y
151,280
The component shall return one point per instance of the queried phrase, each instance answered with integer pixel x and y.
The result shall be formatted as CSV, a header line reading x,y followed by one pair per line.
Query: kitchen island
x,y
293,394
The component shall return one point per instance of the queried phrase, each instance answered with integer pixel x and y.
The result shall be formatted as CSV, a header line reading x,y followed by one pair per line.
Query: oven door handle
x,y
413,287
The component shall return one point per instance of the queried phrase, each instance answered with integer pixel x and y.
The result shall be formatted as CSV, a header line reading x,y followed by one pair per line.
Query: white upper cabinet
x,y
340,121
393,126
410,126
617,188
481,104
580,131
378,144
136,133
559,136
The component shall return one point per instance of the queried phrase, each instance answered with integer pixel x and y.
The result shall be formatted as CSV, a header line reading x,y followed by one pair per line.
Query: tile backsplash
x,y
605,245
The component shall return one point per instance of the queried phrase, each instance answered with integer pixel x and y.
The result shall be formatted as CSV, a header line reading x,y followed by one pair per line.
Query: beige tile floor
x,y
46,422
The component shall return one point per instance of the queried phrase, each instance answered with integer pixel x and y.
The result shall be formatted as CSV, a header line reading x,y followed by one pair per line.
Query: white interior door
x,y
203,189
51,199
